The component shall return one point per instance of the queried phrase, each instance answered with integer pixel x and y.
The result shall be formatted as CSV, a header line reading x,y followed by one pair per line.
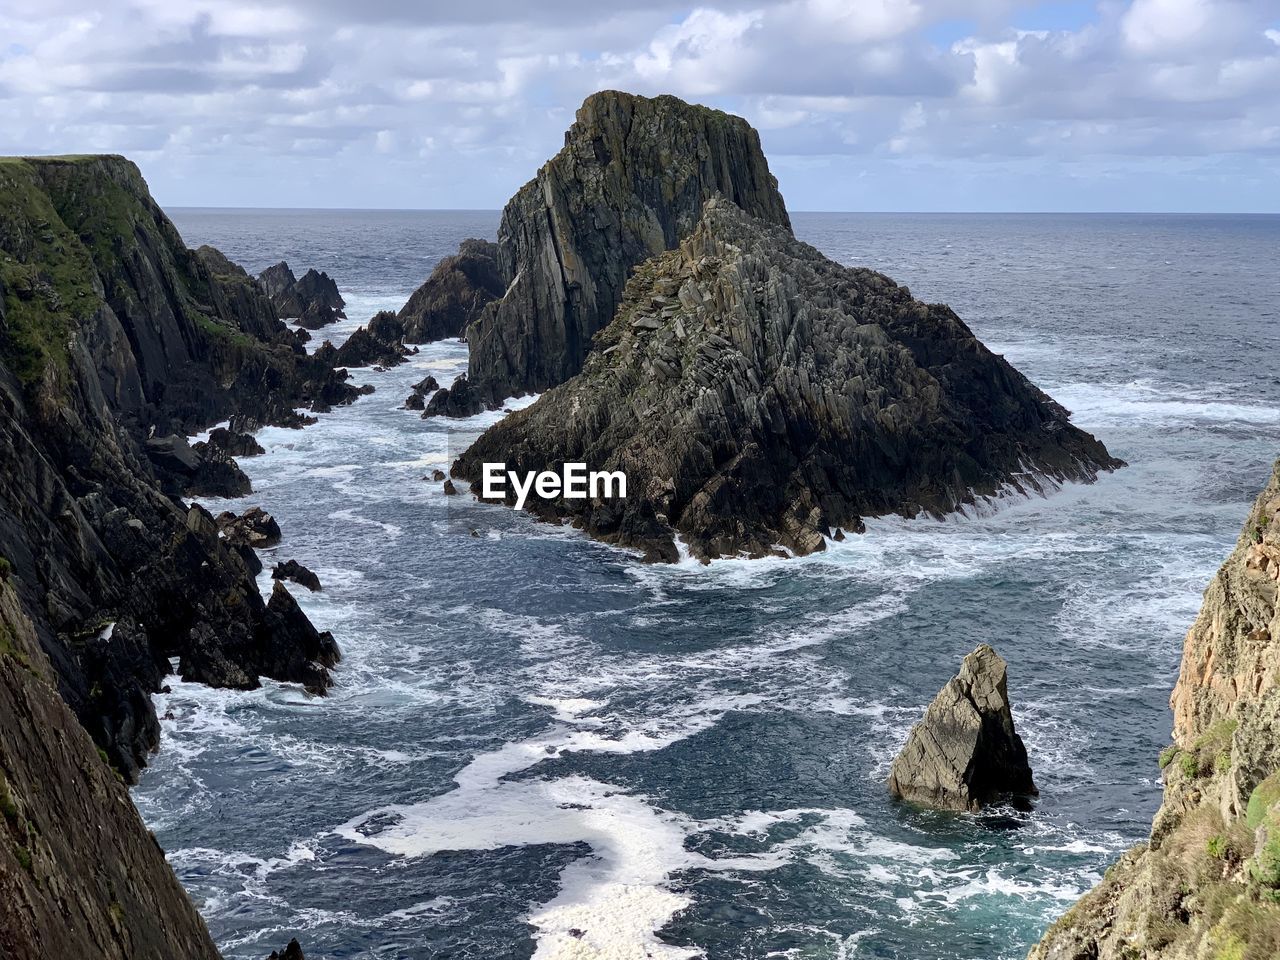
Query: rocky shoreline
x,y
116,341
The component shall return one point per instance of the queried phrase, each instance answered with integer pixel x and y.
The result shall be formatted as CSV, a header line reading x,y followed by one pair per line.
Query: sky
x,y
896,105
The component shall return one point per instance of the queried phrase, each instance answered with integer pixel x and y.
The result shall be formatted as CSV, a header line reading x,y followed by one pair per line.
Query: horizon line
x,y
498,210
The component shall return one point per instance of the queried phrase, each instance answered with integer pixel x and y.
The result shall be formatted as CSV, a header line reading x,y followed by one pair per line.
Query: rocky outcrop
x,y
234,444
459,400
80,876
965,753
629,183
292,952
293,570
380,343
116,340
254,528
417,399
455,294
1206,886
312,301
759,396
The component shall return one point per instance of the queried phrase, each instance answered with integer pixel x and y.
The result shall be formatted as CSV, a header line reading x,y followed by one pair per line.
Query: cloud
x,y
384,103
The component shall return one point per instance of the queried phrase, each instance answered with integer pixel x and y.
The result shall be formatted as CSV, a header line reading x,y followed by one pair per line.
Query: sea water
x,y
539,746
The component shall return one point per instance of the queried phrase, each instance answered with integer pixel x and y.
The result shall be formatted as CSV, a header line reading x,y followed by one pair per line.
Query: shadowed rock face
x,y
965,752
629,183
1207,884
757,395
80,876
312,300
456,293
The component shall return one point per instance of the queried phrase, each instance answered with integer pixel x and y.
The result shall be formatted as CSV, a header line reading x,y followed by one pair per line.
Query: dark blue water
x,y
533,734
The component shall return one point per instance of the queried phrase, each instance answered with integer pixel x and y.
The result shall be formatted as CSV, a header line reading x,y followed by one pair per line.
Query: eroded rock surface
x,y
1207,884
455,294
965,752
629,183
760,396
312,300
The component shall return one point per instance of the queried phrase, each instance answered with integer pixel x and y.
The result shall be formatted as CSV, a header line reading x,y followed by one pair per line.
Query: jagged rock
x,y
292,952
455,294
449,489
313,301
235,444
1207,884
379,343
629,183
293,570
460,400
255,528
417,399
772,396
965,752
200,470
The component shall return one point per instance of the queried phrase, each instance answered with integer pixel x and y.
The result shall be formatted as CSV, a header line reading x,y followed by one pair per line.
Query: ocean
x,y
539,746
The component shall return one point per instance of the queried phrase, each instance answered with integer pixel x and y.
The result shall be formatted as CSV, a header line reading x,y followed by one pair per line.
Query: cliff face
x,y
111,331
80,876
629,183
1207,885
757,394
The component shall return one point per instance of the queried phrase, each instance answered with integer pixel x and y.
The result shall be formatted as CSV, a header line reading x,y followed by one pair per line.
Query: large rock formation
x,y
456,293
113,333
80,876
629,183
965,753
1207,884
312,301
757,395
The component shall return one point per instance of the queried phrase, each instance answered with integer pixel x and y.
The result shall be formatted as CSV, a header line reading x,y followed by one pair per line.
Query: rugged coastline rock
x,y
234,444
292,952
312,301
760,396
380,343
455,294
80,875
254,528
113,335
1206,886
629,183
965,752
417,400
293,570
459,400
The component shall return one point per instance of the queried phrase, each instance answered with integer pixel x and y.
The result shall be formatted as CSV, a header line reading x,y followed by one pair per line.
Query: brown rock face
x,y
965,752
758,395
1207,885
629,183
456,293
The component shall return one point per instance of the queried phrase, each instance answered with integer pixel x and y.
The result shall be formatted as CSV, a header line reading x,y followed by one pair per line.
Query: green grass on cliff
x,y
46,275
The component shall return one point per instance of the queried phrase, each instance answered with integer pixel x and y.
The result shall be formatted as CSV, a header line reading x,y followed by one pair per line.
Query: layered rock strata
x,y
965,752
455,294
759,397
629,183
1206,885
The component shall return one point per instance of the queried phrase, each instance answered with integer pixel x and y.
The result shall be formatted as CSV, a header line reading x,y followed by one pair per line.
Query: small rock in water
x,y
449,488
965,752
293,570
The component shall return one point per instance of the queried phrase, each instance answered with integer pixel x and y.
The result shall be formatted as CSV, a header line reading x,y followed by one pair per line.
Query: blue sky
x,y
1160,105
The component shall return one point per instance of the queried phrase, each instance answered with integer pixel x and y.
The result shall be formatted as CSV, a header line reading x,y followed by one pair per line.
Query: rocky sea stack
x,y
965,753
312,300
758,396
456,293
1207,884
629,183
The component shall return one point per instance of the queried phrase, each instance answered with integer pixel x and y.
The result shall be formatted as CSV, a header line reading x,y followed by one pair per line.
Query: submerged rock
x,y
455,294
629,183
965,752
757,395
